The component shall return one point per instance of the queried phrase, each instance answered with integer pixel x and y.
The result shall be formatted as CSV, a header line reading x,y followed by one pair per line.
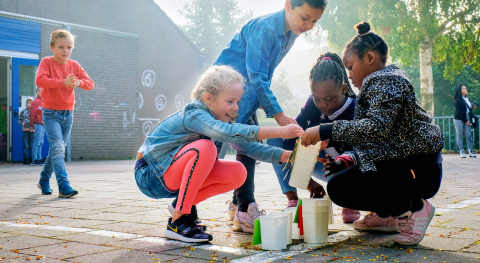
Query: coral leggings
x,y
199,175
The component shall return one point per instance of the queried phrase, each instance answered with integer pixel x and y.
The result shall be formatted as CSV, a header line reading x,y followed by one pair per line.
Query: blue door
x,y
23,86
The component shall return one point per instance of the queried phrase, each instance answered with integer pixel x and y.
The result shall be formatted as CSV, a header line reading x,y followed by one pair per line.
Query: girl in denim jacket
x,y
395,164
179,157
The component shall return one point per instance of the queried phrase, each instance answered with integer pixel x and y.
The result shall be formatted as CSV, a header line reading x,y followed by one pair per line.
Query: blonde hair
x,y
215,80
60,33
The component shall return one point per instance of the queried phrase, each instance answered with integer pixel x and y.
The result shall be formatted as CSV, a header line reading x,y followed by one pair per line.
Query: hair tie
x,y
326,58
365,33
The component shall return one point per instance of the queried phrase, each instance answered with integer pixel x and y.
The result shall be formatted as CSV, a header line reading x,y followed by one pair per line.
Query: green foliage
x,y
211,24
285,97
444,89
453,27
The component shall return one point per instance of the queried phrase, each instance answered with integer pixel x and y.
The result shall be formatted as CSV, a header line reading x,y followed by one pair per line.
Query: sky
x,y
297,63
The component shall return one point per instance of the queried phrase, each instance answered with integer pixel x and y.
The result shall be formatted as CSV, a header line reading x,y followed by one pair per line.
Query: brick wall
x,y
138,82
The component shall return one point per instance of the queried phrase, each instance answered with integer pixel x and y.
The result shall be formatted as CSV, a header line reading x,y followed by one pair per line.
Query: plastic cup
x,y
316,227
305,161
257,235
296,232
274,231
289,224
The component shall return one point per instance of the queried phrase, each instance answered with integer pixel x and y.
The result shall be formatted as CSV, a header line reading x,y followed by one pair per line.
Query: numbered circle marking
x,y
179,102
148,78
160,102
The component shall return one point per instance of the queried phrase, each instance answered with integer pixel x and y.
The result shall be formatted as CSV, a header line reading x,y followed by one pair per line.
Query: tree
x,y
211,24
438,30
285,97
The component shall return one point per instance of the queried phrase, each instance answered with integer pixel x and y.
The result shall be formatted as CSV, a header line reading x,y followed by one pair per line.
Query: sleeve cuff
x,y
253,133
276,155
326,131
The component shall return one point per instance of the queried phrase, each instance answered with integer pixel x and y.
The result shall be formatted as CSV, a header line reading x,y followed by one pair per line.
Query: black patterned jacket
x,y
389,121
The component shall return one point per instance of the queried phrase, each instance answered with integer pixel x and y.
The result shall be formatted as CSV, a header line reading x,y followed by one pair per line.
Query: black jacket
x,y
461,110
389,122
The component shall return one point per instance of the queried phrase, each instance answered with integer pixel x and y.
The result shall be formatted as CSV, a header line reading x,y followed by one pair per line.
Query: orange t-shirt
x,y
51,78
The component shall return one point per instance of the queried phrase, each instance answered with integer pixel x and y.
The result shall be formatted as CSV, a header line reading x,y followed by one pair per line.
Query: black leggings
x,y
391,190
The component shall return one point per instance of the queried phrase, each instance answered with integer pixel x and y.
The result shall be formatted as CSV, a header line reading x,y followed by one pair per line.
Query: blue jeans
x,y
460,130
57,124
149,183
317,171
27,137
38,141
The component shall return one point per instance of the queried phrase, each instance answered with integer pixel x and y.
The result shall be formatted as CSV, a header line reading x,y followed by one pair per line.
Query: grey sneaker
x,y
472,153
244,222
232,210
462,154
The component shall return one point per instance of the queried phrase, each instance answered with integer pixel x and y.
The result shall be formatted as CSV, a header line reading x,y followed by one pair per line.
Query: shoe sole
x,y
237,227
379,229
69,195
427,223
171,210
40,187
172,235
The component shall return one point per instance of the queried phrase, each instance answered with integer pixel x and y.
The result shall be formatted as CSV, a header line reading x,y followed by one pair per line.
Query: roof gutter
x,y
67,25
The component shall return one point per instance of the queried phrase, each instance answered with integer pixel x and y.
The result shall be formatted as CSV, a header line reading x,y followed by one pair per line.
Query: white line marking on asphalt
x,y
459,205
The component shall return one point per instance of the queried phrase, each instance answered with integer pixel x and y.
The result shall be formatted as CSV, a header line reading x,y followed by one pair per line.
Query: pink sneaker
x,y
244,222
292,203
413,226
350,215
372,221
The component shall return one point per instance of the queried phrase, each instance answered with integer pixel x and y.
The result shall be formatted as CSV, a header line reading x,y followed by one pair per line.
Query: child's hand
x,y
285,156
316,190
283,119
332,166
311,136
291,131
70,81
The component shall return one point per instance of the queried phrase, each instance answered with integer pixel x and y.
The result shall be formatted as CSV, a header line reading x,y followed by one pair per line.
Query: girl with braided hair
x,y
332,99
396,162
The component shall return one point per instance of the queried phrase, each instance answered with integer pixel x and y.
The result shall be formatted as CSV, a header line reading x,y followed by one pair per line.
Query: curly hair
x,y
215,80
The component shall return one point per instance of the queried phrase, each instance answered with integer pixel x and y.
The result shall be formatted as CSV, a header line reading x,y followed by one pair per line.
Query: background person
x,y
461,120
36,126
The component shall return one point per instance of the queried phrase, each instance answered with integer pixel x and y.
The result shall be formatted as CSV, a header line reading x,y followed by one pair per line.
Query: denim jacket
x,y
255,52
196,122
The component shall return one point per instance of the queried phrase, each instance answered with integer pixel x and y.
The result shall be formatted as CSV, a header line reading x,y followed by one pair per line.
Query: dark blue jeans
x,y
28,138
244,195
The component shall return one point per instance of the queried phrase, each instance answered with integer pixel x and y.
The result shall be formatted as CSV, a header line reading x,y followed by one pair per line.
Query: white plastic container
x,y
296,232
305,161
289,224
274,231
316,216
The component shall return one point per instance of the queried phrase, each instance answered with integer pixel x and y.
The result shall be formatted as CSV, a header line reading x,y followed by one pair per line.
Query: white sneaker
x,y
232,210
472,153
462,154
244,222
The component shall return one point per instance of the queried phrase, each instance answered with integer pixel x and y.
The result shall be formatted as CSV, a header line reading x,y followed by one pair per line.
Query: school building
x,y
143,66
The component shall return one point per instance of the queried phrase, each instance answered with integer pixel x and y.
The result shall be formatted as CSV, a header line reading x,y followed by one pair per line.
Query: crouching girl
x,y
179,157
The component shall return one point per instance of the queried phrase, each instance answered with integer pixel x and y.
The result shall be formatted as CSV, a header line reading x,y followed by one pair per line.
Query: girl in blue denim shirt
x,y
179,157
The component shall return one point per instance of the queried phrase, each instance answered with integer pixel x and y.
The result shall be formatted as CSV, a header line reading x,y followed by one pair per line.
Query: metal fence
x,y
446,124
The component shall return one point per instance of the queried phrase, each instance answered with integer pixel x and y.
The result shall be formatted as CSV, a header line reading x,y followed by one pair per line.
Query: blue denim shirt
x,y
196,122
255,52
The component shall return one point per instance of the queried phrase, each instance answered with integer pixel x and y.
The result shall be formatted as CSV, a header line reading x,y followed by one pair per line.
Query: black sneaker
x,y
184,229
193,214
26,162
